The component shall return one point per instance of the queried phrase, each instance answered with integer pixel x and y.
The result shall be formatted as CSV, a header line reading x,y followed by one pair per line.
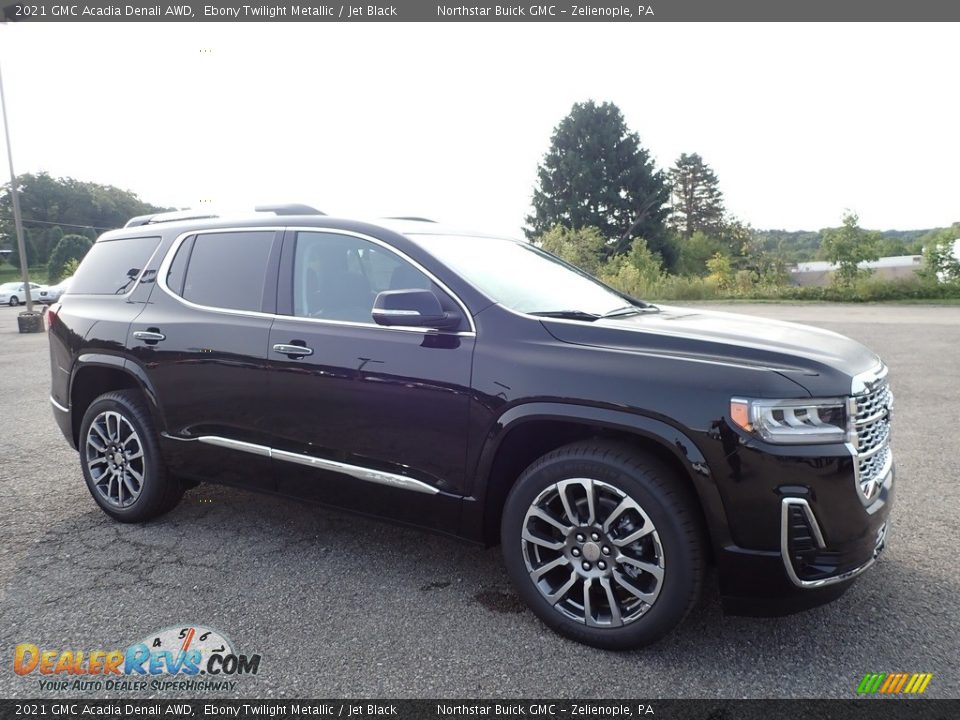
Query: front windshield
x,y
520,276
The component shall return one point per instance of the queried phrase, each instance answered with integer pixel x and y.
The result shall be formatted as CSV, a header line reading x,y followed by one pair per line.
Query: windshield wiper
x,y
568,315
630,310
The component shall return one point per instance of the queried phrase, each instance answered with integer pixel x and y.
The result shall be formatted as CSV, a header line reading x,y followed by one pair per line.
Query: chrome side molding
x,y
58,406
361,473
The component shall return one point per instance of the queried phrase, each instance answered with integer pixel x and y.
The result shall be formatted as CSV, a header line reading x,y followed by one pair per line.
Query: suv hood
x,y
822,361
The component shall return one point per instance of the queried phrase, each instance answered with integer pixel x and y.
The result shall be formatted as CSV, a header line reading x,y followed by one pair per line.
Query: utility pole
x,y
15,200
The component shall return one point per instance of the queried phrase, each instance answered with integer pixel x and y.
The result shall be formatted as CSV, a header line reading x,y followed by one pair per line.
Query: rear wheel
x,y
604,544
121,460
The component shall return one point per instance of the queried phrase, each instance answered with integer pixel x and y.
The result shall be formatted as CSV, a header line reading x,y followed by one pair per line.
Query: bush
x,y
70,247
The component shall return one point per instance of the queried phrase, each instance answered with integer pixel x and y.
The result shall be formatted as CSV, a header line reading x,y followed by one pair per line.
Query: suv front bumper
x,y
807,570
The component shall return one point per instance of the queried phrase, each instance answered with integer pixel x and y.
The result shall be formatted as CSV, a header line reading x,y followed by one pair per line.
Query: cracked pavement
x,y
340,606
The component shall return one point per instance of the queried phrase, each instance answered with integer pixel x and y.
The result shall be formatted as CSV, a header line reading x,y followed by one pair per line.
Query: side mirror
x,y
412,308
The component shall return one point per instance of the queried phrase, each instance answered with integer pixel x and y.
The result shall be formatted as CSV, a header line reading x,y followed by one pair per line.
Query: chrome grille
x,y
871,423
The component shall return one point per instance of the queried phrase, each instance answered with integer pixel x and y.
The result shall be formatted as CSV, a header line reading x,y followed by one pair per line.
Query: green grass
x,y
9,273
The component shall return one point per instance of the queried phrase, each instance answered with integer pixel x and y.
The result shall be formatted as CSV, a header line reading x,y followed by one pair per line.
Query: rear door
x,y
202,341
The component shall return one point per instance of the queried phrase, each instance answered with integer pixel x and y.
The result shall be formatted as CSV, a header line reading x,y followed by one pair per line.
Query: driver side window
x,y
337,277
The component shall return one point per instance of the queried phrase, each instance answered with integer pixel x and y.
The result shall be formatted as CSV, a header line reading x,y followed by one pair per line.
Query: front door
x,y
366,417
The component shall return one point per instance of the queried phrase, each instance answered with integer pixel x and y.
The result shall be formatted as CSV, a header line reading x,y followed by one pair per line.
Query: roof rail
x,y
289,209
410,217
172,216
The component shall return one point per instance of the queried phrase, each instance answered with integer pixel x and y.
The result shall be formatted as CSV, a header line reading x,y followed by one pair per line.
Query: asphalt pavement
x,y
339,606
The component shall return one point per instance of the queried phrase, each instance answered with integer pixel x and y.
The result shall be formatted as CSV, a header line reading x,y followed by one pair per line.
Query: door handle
x,y
291,350
149,336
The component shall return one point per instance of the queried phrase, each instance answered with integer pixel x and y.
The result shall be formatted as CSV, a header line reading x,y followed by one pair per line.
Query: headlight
x,y
792,422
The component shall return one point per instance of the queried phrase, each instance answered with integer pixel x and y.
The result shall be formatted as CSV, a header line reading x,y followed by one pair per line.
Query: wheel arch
x,y
526,432
96,374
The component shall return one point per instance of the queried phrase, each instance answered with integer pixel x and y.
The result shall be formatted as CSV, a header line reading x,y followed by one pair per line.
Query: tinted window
x,y
227,270
111,267
178,268
337,277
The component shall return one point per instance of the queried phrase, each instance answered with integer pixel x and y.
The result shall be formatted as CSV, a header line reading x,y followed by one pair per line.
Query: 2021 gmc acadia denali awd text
x,y
483,388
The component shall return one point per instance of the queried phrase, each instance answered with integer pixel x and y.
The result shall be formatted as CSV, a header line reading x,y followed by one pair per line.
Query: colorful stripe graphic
x,y
894,683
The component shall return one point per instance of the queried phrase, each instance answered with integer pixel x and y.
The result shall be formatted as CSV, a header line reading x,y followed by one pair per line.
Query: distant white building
x,y
820,273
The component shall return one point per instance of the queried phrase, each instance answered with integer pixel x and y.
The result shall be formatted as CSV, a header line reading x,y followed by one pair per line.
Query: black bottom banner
x,y
876,709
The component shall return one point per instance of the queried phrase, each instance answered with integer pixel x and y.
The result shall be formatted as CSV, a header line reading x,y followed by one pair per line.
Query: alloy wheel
x,y
593,552
115,459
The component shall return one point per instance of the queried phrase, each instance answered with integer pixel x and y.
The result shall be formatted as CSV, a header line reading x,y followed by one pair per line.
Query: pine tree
x,y
696,203
596,174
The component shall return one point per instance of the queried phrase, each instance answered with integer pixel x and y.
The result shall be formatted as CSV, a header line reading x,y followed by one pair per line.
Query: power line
x,y
61,224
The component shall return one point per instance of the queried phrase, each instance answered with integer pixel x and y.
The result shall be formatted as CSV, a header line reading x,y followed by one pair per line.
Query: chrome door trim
x,y
58,406
172,251
261,450
380,477
361,473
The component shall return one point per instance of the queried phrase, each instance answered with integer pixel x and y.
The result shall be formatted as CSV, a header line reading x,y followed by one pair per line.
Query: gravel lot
x,y
340,606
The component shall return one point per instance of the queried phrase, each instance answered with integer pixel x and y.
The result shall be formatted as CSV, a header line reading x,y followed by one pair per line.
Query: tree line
x,y
61,219
601,204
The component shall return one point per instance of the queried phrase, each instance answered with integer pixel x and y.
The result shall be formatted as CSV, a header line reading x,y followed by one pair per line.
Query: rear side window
x,y
227,270
178,268
112,267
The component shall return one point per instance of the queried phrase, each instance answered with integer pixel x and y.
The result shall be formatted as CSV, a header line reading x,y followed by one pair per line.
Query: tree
x,y
942,255
46,241
721,271
46,201
696,203
583,247
848,246
14,257
70,268
694,253
70,247
637,272
596,174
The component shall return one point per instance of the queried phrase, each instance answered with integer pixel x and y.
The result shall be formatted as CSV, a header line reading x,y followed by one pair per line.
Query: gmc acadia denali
x,y
483,388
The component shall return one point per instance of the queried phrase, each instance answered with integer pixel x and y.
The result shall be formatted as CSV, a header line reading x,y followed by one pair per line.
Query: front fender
x,y
667,437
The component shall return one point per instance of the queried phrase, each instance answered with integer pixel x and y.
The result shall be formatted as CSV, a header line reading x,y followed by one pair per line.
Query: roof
x,y
896,261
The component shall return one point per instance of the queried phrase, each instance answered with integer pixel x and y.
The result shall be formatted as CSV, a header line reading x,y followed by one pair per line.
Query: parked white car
x,y
13,293
49,294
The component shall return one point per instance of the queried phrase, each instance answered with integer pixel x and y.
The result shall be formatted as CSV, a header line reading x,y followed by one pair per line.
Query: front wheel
x,y
604,544
14,301
121,459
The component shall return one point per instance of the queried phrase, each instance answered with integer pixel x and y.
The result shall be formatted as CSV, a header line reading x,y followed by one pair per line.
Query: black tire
x,y
14,301
159,491
677,535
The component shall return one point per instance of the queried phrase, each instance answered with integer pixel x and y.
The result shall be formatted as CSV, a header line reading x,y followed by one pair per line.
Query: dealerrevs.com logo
x,y
899,683
188,658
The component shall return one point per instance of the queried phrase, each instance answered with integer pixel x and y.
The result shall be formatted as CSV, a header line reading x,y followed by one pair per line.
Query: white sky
x,y
449,120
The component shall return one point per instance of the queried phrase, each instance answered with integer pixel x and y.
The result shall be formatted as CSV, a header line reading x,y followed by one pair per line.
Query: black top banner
x,y
479,11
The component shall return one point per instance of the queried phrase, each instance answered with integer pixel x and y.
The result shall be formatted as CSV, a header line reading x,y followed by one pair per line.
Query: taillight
x,y
52,315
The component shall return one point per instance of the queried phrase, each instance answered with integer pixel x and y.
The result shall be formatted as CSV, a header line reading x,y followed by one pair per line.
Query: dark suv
x,y
479,387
